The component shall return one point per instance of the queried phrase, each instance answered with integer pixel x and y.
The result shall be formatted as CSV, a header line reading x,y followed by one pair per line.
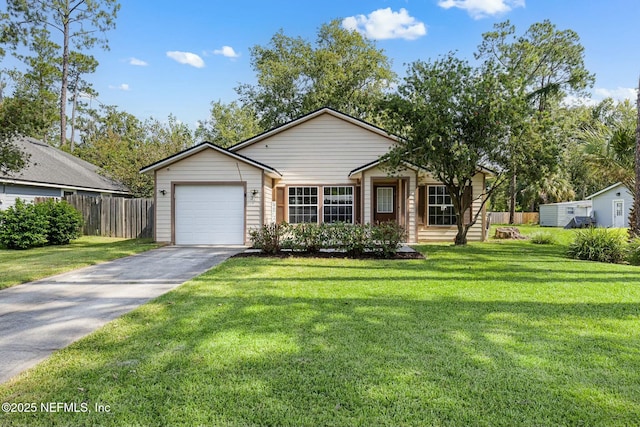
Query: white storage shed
x,y
560,214
612,206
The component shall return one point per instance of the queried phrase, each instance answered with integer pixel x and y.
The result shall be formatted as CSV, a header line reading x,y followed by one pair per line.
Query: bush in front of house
x,y
354,239
388,236
633,251
28,225
22,226
308,237
64,221
268,237
598,244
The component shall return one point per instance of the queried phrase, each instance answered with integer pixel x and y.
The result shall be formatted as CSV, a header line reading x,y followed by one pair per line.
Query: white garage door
x,y
209,214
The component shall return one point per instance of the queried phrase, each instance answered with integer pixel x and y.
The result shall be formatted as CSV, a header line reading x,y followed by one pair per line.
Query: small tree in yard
x,y
634,227
451,119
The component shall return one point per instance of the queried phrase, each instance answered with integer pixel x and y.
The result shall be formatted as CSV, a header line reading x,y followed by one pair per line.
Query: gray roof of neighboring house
x,y
48,166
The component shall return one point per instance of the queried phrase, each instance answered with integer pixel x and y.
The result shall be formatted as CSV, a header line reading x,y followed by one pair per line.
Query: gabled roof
x,y
611,187
208,145
409,165
48,166
310,116
377,162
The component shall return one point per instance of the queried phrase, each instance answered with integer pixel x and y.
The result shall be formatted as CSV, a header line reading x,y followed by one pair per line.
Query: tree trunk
x,y
634,226
63,86
461,237
512,197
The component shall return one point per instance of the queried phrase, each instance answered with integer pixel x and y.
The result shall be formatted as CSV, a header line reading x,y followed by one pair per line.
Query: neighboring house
x,y
560,214
322,167
53,173
612,206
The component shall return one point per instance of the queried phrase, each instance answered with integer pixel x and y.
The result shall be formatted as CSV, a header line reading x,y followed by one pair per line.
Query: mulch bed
x,y
325,254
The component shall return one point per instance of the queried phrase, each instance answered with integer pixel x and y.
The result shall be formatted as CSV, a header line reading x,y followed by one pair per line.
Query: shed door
x,y
209,215
618,213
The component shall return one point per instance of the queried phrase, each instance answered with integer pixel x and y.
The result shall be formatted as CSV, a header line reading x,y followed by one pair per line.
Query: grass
x,y
493,334
32,264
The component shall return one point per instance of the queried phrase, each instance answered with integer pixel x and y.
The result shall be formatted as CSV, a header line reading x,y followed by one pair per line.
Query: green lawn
x,y
493,334
32,264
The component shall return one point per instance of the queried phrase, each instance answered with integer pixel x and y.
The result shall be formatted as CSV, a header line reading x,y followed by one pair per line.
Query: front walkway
x,y
40,317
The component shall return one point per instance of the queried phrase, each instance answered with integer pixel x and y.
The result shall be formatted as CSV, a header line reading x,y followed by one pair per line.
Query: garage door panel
x,y
209,214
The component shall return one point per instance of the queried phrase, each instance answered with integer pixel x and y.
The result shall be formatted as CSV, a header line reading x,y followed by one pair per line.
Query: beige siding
x,y
206,166
445,233
322,150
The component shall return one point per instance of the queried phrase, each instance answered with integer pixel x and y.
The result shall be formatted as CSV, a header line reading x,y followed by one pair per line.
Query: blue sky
x,y
175,57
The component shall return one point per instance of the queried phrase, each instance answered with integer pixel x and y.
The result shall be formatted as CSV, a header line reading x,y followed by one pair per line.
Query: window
x,y
441,210
303,204
384,200
570,211
338,204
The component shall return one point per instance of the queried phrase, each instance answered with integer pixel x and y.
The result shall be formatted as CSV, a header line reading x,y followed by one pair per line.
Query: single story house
x,y
321,167
612,206
560,214
51,172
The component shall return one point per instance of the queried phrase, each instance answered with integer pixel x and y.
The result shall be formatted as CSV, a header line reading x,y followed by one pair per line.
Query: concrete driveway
x,y
40,317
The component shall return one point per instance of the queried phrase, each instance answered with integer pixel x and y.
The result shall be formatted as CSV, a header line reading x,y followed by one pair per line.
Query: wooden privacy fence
x,y
114,216
520,218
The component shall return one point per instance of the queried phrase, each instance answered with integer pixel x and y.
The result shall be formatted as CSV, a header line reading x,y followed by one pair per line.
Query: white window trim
x,y
352,204
430,205
316,205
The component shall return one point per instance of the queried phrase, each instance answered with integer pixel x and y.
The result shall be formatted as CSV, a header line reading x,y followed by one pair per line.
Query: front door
x,y
384,203
618,213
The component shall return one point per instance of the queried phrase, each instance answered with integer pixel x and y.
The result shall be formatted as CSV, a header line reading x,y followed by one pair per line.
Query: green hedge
x,y
353,239
26,225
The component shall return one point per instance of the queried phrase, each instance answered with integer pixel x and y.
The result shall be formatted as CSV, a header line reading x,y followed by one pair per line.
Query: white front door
x,y
618,213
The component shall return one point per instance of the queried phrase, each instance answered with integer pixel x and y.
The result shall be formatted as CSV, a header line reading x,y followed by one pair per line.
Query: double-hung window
x,y
337,204
303,204
441,210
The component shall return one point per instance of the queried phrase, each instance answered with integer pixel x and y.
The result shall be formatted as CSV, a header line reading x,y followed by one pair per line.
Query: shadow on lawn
x,y
194,357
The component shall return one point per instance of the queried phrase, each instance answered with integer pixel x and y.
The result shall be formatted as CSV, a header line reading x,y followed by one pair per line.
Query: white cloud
x,y
138,62
186,58
619,93
386,24
479,9
123,87
226,51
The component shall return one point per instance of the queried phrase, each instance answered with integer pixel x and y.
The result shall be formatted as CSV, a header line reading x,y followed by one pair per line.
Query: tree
x,y
228,124
39,84
634,228
610,146
79,64
78,22
542,66
120,144
450,117
342,70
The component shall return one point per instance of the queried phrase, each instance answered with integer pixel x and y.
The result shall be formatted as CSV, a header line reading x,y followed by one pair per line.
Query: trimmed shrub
x,y
354,239
268,237
22,226
542,238
310,237
388,236
633,251
598,244
64,221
